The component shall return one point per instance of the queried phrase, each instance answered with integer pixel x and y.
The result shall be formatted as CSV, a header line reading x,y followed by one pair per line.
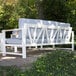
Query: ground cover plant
x,y
55,63
10,71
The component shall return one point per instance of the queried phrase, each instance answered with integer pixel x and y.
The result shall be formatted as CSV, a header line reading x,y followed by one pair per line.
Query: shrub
x,y
10,71
57,63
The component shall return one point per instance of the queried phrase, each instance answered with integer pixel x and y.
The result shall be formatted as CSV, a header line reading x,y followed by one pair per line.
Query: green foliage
x,y
9,18
27,9
58,10
57,63
54,10
11,12
71,4
10,71
1,15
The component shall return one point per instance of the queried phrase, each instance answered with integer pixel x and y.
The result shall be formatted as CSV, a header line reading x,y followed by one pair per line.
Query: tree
x,y
58,10
7,19
39,7
27,8
1,15
54,10
11,12
71,4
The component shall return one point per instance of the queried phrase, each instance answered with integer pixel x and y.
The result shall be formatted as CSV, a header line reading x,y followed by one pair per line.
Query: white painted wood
x,y
24,43
15,48
53,46
3,44
13,53
1,37
38,33
42,40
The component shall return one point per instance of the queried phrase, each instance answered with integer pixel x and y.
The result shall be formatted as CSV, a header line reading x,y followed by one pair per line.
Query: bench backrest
x,y
42,31
23,22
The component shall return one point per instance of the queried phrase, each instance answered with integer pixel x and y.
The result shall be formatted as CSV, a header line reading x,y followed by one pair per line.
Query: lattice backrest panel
x,y
43,35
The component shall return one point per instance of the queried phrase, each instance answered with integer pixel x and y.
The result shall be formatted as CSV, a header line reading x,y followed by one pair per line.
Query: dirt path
x,y
18,61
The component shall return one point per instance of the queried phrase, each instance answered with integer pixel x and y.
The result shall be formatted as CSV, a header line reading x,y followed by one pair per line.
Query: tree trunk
x,y
40,9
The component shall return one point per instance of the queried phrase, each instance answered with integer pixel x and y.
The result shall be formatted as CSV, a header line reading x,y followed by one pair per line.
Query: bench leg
x,y
41,46
53,46
35,46
15,48
72,47
29,47
24,52
3,51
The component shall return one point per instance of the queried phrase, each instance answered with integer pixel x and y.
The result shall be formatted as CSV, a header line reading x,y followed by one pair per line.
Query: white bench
x,y
34,32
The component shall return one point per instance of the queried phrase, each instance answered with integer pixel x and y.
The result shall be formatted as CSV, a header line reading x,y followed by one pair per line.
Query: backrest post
x,y
24,42
3,43
1,37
